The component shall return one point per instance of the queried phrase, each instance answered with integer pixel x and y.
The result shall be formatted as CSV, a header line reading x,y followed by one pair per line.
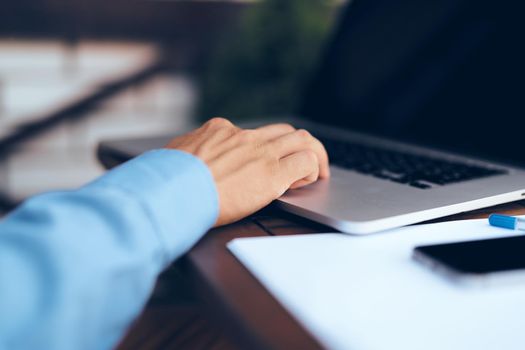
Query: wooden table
x,y
232,298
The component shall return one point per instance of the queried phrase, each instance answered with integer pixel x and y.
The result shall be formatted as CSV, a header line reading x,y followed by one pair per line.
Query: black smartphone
x,y
482,262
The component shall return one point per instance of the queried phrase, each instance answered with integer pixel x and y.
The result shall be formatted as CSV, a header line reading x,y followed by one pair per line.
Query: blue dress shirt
x,y
76,267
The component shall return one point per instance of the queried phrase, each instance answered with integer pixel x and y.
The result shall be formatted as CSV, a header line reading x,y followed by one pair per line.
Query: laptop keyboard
x,y
413,170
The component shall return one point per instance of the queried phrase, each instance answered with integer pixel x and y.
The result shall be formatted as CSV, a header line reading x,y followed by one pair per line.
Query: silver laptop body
x,y
361,203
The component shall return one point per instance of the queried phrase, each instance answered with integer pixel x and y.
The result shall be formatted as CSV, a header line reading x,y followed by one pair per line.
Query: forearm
x,y
76,267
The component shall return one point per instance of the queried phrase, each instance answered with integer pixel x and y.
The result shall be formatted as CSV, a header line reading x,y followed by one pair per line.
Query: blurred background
x,y
75,72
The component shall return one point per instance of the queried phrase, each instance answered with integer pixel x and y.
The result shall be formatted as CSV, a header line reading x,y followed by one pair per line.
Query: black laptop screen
x,y
447,73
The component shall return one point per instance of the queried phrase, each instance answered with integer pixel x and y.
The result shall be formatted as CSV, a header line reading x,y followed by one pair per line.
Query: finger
x,y
272,131
301,140
301,183
302,167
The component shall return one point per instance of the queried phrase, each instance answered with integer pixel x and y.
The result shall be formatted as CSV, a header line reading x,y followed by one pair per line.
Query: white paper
x,y
367,292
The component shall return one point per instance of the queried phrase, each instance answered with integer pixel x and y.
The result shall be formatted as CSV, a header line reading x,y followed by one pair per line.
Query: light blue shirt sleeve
x,y
76,267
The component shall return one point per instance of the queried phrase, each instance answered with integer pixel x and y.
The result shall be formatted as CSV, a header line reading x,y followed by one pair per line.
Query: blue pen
x,y
506,221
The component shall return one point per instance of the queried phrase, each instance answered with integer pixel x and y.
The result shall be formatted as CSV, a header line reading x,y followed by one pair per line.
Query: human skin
x,y
253,167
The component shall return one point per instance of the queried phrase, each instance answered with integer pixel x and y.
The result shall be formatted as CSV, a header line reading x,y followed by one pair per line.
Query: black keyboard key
x,y
420,185
402,180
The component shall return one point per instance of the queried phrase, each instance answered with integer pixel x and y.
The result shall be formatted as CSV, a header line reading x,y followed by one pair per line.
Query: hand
x,y
251,168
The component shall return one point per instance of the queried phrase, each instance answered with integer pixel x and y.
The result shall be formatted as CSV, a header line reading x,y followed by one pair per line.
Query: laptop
x,y
421,107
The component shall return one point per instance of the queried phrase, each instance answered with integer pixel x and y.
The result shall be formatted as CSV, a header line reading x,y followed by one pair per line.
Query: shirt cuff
x,y
177,191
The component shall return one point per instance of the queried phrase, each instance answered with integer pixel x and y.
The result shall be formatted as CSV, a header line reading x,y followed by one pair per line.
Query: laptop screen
x,y
443,73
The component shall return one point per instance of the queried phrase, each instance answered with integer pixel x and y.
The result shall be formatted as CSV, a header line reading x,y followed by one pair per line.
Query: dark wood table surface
x,y
230,308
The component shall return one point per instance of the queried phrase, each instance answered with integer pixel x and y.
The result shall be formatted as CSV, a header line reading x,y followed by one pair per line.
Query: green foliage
x,y
261,69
